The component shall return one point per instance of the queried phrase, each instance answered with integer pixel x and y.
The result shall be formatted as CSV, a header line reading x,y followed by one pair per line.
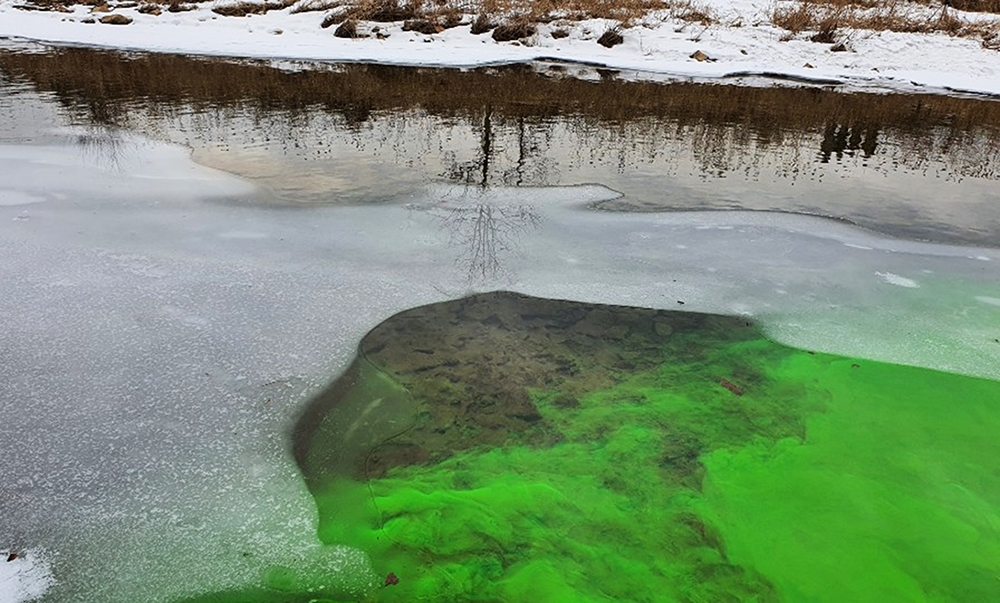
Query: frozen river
x,y
164,322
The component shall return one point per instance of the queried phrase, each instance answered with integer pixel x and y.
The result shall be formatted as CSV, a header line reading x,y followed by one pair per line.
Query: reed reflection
x,y
369,133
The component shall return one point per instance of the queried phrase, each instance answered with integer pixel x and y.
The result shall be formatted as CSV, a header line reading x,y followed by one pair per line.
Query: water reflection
x,y
482,230
485,233
839,140
103,145
528,162
908,165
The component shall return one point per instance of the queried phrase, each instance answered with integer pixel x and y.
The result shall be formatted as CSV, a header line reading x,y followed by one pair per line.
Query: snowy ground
x,y
660,47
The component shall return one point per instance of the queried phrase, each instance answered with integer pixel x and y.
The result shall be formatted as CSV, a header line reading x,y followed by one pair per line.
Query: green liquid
x,y
707,464
893,496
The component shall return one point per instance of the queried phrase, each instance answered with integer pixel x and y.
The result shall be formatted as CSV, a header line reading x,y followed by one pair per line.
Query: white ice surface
x,y
25,578
900,61
157,342
18,198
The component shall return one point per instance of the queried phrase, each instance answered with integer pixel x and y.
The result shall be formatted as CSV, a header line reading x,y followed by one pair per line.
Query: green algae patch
x,y
553,453
893,496
537,450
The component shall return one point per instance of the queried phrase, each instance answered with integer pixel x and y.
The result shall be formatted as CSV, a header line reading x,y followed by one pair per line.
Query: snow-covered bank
x,y
661,47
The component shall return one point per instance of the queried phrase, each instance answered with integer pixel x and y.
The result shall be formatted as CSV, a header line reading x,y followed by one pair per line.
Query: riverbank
x,y
736,39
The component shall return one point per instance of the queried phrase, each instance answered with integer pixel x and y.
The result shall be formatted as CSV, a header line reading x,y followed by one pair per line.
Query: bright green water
x,y
892,495
827,479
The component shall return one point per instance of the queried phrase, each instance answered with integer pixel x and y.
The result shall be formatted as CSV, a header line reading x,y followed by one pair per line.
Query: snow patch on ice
x,y
10,197
574,195
106,159
243,234
895,279
25,578
187,318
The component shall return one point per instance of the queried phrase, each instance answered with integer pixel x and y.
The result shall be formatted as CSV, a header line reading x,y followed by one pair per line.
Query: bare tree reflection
x,y
486,233
477,171
511,151
104,145
103,122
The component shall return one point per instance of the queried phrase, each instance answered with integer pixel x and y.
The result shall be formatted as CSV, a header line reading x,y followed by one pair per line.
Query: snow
x,y
26,577
660,47
895,279
8,197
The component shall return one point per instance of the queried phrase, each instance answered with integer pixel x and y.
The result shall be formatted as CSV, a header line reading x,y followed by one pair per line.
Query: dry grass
x,y
415,15
693,12
830,21
441,12
544,11
517,29
611,37
977,6
244,7
825,21
379,11
491,13
517,19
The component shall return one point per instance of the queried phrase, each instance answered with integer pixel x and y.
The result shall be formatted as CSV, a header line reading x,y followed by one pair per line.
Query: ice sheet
x,y
157,342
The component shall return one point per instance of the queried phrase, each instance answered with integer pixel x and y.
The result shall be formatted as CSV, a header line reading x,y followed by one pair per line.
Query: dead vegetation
x,y
625,11
822,21
691,11
481,25
378,11
85,79
517,30
976,6
347,29
834,21
611,37
509,20
244,7
433,16
115,19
